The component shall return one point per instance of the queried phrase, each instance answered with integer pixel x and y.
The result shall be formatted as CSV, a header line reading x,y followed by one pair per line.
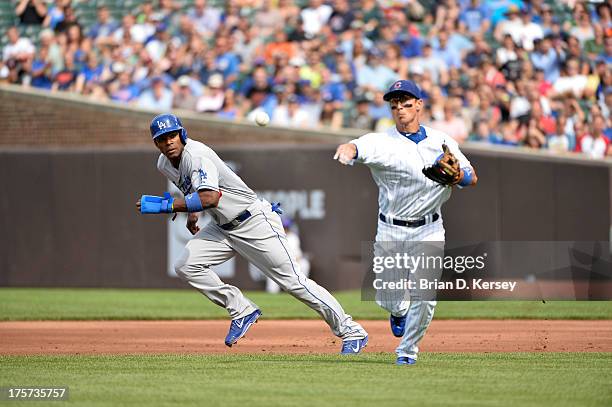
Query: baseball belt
x,y
237,221
409,223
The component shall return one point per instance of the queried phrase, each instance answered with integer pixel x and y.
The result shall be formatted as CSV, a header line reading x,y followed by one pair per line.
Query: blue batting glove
x,y
156,204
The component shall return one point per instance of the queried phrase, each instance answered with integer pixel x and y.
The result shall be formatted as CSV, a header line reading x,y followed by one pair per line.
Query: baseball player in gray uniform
x,y
414,167
242,224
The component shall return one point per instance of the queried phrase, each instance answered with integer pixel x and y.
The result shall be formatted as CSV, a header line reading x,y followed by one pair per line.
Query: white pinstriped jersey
x,y
201,168
396,163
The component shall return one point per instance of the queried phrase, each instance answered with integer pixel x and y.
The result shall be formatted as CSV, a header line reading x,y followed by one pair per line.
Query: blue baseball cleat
x,y
398,325
405,360
353,346
240,326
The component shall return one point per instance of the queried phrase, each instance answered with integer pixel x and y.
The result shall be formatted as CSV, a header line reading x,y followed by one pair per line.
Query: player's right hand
x,y
192,220
346,153
138,205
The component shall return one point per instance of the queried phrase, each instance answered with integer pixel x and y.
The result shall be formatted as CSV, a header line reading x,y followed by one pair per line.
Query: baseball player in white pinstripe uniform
x,y
408,164
242,224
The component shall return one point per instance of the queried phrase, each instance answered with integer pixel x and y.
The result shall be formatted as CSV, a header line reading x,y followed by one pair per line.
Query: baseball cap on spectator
x,y
118,67
357,24
402,87
417,69
513,9
278,88
215,81
297,61
375,52
47,32
183,80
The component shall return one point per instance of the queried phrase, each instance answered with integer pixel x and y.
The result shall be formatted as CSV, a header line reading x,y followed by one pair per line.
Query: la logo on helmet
x,y
163,125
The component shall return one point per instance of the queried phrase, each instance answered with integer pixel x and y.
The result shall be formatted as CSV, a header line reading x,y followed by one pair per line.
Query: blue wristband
x,y
468,175
193,203
156,204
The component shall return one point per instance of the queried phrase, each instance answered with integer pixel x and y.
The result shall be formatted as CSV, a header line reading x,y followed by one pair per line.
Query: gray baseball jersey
x,y
201,168
260,239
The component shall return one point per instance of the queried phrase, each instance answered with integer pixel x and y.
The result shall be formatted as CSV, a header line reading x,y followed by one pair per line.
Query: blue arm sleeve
x,y
193,203
468,175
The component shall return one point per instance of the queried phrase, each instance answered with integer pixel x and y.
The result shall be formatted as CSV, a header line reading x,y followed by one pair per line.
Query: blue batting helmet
x,y
167,123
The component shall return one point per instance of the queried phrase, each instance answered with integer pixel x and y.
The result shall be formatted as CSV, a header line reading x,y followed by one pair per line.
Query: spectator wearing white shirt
x,y
560,141
571,81
529,31
512,25
214,95
315,16
137,32
205,19
19,49
291,114
595,145
507,52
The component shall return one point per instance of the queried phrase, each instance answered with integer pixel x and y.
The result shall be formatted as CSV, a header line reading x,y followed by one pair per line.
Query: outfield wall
x,y
69,216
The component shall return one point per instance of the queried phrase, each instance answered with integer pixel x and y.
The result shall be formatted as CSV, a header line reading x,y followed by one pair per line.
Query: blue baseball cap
x,y
402,86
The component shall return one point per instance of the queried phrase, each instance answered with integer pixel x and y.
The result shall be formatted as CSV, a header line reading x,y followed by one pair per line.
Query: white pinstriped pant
x,y
419,312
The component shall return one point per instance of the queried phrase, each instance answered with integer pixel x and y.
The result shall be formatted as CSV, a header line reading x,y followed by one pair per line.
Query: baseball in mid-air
x,y
262,118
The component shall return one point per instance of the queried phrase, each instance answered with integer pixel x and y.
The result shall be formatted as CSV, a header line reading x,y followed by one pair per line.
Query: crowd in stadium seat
x,y
508,72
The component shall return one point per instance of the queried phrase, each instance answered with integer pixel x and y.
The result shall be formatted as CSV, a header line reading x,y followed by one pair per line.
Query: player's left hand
x,y
446,170
192,220
138,205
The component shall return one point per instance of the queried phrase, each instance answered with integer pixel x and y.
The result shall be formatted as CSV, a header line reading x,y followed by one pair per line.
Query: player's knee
x,y
181,266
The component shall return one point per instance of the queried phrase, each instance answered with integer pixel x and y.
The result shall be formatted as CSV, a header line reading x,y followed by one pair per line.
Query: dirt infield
x,y
298,336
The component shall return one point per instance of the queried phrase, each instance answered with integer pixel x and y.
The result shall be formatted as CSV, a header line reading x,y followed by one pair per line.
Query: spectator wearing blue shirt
x,y
104,27
91,72
374,74
475,18
159,97
606,56
55,15
546,58
227,61
41,70
449,55
497,9
121,89
410,45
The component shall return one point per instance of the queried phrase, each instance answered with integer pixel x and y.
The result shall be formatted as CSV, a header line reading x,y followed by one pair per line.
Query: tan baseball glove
x,y
446,170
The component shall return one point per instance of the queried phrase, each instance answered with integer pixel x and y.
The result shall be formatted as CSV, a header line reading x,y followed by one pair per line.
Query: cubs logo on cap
x,y
402,86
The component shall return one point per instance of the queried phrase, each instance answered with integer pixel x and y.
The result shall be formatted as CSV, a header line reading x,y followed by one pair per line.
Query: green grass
x,y
123,304
494,379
